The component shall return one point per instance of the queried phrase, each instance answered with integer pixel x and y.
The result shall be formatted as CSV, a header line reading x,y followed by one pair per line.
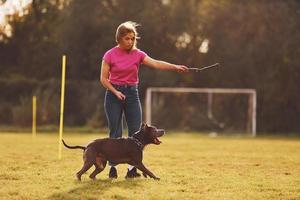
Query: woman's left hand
x,y
181,68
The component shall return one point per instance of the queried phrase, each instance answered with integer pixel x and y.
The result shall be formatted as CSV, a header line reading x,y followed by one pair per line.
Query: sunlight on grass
x,y
190,167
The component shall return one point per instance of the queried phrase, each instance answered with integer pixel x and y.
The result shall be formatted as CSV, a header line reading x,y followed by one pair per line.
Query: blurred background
x,y
256,41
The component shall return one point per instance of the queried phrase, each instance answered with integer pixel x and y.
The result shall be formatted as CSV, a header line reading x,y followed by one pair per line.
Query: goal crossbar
x,y
252,92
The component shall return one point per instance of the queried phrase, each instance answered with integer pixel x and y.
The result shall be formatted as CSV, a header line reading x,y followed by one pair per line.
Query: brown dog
x,y
119,150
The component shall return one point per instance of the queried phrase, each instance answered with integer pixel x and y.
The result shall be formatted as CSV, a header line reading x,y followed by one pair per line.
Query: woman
x,y
119,74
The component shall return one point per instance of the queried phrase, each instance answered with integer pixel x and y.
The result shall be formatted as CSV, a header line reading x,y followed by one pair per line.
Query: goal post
x,y
210,92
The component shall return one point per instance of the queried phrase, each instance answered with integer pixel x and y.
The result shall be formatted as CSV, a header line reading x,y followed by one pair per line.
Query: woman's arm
x,y
158,64
105,82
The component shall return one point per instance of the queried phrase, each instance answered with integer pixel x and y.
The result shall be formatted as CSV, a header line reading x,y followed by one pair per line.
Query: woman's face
x,y
126,42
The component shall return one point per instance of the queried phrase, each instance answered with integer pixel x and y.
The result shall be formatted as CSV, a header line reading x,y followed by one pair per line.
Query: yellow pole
x,y
62,97
34,117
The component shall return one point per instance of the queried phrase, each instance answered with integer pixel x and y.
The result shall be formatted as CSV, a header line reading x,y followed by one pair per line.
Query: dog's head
x,y
150,134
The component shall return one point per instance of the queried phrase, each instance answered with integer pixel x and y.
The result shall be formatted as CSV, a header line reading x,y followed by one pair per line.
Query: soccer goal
x,y
202,109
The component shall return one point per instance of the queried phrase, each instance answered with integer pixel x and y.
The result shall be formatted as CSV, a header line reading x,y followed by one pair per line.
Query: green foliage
x,y
22,112
5,113
82,102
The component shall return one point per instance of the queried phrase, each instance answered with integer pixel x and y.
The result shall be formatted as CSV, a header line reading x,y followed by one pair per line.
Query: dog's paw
x,y
156,178
78,178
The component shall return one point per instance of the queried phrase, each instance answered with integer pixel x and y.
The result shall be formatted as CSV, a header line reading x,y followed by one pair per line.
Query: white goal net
x,y
202,109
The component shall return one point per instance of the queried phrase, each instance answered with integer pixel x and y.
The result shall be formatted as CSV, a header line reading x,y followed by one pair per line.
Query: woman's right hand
x,y
181,68
120,95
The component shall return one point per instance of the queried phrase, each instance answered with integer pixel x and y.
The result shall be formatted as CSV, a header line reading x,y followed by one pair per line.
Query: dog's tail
x,y
73,147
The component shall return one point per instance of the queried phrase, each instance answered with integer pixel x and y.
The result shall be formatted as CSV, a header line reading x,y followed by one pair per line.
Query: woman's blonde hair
x,y
125,28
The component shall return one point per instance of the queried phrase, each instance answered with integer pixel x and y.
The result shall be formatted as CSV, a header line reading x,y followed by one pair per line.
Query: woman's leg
x,y
133,110
113,111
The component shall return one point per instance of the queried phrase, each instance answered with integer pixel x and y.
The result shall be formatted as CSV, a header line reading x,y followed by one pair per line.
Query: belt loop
x,y
124,86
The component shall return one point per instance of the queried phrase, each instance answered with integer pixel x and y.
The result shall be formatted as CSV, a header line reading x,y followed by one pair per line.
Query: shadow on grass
x,y
95,189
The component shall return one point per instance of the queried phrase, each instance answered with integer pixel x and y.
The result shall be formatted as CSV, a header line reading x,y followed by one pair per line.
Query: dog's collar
x,y
137,142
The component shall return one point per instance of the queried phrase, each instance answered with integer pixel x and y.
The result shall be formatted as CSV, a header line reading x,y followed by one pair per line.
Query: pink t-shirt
x,y
124,65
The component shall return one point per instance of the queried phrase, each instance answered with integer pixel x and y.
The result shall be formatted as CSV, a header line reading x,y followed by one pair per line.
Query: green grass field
x,y
190,166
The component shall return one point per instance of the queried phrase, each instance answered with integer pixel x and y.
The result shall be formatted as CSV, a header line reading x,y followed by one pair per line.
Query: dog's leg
x,y
86,166
89,158
100,165
145,171
95,172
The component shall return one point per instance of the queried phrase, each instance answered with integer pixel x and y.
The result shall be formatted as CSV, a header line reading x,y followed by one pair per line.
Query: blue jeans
x,y
130,107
